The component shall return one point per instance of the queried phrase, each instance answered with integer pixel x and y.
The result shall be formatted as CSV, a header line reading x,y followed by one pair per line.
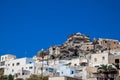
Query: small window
x,y
12,70
97,66
18,64
53,48
16,75
30,62
23,74
115,53
95,59
50,69
8,64
62,72
13,64
105,41
80,70
103,58
116,60
30,67
114,42
75,64
72,72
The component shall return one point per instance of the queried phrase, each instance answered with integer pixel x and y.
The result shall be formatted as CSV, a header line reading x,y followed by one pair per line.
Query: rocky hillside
x,y
75,45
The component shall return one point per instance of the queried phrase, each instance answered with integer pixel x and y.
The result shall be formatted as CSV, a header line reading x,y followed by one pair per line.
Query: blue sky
x,y
29,25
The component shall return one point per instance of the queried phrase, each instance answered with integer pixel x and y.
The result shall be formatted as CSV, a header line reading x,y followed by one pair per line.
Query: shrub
x,y
10,77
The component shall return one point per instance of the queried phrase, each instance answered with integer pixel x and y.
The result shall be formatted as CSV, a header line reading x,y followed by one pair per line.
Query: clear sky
x,y
26,26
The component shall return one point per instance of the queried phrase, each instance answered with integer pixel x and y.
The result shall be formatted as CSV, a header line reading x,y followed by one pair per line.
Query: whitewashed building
x,y
20,68
7,57
23,67
104,58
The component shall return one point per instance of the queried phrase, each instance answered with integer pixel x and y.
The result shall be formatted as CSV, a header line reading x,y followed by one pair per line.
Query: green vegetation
x,y
10,77
106,70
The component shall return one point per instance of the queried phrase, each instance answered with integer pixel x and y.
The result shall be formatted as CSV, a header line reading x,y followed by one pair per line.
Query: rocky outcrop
x,y
73,46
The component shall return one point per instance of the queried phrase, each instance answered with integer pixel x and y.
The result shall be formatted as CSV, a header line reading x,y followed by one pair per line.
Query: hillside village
x,y
78,58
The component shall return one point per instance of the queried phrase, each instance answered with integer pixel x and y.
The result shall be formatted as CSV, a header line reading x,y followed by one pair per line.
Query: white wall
x,y
7,57
17,65
99,59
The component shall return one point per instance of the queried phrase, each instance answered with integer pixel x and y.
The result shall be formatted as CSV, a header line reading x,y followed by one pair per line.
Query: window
x,y
18,64
50,69
61,72
83,64
116,60
95,59
46,69
103,58
53,48
30,62
105,41
75,64
97,66
12,70
8,64
114,42
80,70
30,67
115,53
72,72
13,64
16,75
23,74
